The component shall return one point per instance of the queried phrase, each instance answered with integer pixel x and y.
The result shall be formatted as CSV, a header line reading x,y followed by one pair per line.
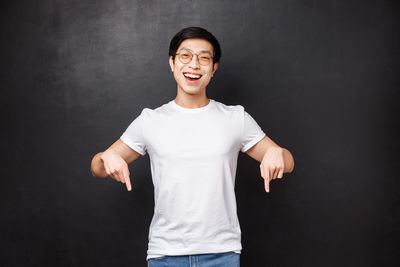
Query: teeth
x,y
192,76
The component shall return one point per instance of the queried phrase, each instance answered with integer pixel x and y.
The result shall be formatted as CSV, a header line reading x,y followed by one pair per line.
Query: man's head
x,y
197,33
194,54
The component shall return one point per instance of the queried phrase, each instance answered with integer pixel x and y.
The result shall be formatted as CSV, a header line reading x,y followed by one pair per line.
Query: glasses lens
x,y
185,56
204,59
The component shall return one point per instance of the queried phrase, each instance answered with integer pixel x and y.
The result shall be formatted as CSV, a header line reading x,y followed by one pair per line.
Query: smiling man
x,y
193,143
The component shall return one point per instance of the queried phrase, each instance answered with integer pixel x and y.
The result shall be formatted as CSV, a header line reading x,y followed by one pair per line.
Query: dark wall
x,y
320,77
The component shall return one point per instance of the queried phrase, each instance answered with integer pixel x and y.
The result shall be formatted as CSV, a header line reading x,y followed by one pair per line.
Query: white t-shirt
x,y
193,155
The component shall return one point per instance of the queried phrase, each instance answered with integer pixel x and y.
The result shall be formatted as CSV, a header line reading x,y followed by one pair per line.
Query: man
x,y
193,143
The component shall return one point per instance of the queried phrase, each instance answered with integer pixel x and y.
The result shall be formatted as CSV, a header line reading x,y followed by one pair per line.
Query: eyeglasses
x,y
186,57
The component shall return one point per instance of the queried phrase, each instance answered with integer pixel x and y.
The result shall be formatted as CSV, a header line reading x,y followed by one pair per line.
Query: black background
x,y
320,78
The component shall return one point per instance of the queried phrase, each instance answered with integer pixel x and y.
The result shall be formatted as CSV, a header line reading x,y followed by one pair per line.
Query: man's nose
x,y
194,63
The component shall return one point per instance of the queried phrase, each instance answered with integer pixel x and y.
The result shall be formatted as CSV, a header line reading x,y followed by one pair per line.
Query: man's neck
x,y
191,101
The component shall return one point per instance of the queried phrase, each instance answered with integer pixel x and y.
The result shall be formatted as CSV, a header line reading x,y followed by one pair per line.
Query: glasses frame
x,y
191,58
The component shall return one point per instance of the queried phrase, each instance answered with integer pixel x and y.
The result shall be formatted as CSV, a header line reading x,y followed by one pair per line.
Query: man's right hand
x,y
116,167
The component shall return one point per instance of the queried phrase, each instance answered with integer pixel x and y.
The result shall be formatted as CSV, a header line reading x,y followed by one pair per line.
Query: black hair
x,y
194,32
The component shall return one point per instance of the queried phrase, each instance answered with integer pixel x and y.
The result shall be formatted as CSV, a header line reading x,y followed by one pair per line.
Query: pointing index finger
x,y
266,180
267,185
128,183
127,178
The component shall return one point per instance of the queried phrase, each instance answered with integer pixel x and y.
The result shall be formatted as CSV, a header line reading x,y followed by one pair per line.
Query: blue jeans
x,y
227,259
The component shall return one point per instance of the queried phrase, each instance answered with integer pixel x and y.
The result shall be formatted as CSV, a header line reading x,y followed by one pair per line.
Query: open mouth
x,y
192,76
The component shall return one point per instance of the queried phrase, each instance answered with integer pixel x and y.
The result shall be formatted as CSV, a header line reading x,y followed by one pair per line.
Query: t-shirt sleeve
x,y
252,132
133,135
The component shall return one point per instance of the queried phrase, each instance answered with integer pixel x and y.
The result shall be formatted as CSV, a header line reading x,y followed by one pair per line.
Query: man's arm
x,y
259,150
274,159
114,162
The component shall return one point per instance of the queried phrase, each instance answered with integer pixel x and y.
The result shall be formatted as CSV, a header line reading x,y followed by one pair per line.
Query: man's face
x,y
193,68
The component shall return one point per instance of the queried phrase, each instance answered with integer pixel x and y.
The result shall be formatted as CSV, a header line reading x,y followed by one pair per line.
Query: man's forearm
x,y
97,166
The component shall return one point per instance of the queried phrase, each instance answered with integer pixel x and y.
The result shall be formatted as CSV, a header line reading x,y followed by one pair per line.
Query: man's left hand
x,y
272,165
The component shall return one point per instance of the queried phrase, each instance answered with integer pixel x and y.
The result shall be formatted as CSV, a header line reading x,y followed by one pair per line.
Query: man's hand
x,y
272,165
116,167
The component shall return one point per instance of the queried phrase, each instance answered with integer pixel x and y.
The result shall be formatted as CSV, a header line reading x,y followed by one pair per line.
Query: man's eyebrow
x,y
203,51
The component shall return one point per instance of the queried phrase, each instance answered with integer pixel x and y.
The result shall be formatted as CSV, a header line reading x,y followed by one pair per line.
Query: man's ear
x,y
215,68
171,63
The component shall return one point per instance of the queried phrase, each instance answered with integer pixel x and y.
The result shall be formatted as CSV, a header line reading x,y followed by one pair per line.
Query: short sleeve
x,y
133,135
252,132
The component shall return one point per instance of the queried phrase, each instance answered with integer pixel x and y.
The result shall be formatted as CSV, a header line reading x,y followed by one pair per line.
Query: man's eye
x,y
205,57
185,55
